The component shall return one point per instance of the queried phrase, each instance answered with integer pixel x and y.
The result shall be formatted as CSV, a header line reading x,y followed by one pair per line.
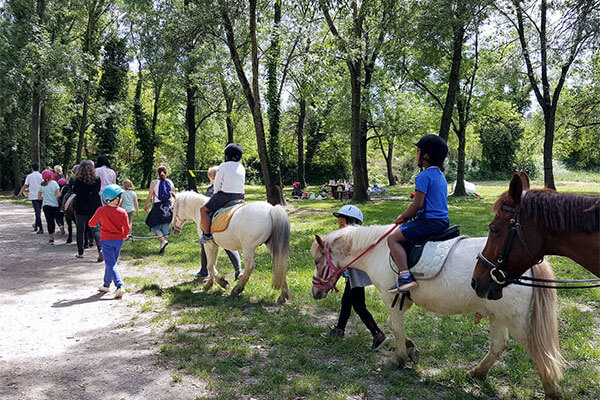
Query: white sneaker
x,y
119,292
162,246
103,289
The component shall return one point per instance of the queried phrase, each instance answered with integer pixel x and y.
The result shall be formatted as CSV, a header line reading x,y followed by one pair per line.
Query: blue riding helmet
x,y
349,211
111,192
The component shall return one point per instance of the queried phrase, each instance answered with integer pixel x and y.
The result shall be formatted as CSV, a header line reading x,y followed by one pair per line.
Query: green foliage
x,y
499,134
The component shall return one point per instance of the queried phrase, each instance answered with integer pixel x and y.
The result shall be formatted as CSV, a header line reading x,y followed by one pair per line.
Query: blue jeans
x,y
111,250
37,209
164,228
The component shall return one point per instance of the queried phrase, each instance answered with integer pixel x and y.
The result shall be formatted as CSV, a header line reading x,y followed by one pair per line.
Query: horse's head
x,y
329,255
178,220
507,254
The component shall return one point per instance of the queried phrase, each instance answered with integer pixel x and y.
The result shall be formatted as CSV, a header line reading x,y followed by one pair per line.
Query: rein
x,y
134,238
331,272
498,273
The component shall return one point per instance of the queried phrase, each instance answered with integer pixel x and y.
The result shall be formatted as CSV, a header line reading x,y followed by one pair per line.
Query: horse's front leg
x,y
212,251
248,268
405,347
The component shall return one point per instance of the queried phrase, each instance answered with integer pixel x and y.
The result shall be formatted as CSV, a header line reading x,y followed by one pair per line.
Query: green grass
x,y
249,347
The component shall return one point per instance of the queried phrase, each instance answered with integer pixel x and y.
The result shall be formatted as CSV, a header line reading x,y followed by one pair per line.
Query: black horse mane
x,y
560,211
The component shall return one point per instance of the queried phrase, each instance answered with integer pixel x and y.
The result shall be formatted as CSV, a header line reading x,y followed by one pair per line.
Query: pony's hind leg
x,y
248,268
498,343
285,294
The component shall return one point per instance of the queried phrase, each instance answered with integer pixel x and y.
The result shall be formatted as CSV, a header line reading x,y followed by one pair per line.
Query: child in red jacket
x,y
114,228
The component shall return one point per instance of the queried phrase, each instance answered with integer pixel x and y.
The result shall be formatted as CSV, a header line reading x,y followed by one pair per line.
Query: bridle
x,y
331,271
498,270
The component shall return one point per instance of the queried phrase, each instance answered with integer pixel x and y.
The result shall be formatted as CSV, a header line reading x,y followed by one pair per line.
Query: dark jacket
x,y
87,200
210,191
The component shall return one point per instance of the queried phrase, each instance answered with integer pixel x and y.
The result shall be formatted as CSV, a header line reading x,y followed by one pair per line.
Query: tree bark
x,y
549,122
34,131
453,81
83,121
300,177
190,122
459,190
43,134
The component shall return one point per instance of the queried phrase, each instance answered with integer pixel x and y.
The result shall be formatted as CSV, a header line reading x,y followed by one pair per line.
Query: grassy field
x,y
248,347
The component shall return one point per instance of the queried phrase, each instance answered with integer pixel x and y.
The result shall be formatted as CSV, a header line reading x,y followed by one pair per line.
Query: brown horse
x,y
530,224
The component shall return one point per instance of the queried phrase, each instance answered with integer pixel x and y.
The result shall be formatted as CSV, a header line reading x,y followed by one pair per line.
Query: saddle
x,y
426,258
220,218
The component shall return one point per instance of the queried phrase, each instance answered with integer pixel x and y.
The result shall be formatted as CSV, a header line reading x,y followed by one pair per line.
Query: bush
x,y
317,174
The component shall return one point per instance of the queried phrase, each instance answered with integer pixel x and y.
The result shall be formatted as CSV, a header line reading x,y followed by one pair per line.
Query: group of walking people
x,y
101,209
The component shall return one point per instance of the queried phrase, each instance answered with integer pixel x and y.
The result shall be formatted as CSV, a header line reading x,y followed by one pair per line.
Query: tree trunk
x,y
34,131
43,134
459,190
388,163
273,99
361,184
16,169
228,121
300,177
454,79
549,122
83,121
190,122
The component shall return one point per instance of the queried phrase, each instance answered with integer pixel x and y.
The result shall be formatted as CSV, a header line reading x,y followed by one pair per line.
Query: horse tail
x,y
543,340
279,245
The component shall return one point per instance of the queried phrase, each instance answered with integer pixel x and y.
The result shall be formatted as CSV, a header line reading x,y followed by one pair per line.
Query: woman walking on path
x,y
86,186
161,215
49,193
32,182
356,281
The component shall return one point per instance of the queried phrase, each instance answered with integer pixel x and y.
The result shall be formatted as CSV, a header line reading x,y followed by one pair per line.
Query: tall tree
x,y
368,22
252,94
556,34
146,142
111,92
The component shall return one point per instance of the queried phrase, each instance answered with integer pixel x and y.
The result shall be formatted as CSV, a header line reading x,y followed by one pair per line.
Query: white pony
x,y
450,293
252,225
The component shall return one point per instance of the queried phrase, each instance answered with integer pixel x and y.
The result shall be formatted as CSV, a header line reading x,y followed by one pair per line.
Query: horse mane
x,y
187,196
359,237
558,211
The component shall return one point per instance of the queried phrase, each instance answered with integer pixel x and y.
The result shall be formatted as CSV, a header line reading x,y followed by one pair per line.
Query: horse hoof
x,y
208,285
413,354
475,375
223,283
236,291
282,299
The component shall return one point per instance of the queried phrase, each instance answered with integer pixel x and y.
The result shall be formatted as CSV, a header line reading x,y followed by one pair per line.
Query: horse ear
x,y
319,240
524,180
515,189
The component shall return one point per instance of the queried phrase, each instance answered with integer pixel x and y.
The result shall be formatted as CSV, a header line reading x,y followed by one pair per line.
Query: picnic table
x,y
340,191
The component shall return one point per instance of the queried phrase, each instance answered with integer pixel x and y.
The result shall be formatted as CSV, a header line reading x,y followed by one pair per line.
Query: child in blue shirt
x,y
429,207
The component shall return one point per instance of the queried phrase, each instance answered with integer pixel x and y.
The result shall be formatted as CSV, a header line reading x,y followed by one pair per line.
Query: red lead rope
x,y
340,271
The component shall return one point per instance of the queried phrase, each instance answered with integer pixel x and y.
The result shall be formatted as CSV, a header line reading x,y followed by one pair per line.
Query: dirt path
x,y
60,339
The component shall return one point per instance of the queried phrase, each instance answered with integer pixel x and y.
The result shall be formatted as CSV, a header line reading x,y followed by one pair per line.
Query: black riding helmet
x,y
435,147
233,152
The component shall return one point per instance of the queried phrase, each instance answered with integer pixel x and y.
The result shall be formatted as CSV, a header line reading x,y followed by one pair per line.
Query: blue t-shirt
x,y
433,183
49,194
